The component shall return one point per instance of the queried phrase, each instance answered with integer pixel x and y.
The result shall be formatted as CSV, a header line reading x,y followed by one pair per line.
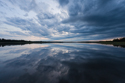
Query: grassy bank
x,y
111,42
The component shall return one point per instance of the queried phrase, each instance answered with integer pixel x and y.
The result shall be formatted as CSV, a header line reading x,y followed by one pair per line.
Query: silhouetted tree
x,y
119,40
123,39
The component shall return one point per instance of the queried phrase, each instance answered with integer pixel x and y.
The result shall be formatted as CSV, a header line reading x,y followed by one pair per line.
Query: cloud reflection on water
x,y
67,63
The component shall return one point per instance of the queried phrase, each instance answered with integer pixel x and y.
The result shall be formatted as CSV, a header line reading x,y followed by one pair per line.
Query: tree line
x,y
119,39
9,40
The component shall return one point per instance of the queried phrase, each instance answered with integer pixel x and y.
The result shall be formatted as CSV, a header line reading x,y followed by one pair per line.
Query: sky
x,y
67,20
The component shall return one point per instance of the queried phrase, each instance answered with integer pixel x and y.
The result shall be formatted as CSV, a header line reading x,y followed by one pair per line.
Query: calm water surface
x,y
62,63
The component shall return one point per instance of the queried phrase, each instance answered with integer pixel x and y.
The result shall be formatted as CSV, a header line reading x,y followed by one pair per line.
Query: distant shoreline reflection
x,y
62,63
12,44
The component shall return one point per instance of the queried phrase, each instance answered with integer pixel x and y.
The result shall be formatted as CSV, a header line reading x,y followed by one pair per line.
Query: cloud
x,y
24,5
63,2
38,21
28,25
65,19
97,17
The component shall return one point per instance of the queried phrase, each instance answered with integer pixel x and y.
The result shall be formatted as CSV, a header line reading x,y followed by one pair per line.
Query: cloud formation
x,y
104,18
64,19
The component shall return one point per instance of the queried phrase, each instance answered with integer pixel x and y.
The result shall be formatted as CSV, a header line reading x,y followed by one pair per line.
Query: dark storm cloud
x,y
63,2
47,19
97,17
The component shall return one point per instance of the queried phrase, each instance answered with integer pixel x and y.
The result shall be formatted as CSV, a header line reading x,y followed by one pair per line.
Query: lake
x,y
62,63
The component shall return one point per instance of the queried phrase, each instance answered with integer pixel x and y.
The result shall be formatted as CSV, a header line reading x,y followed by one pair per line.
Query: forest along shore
x,y
115,42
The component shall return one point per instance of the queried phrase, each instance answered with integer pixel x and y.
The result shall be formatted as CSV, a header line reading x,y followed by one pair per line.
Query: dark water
x,y
62,63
